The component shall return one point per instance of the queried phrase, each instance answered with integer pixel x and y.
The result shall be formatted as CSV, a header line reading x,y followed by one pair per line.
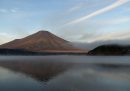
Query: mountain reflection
x,y
39,70
46,70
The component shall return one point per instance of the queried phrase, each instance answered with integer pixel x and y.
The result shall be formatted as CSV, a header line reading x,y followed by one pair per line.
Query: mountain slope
x,y
40,42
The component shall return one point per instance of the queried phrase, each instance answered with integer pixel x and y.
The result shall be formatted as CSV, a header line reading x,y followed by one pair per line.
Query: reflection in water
x,y
40,70
66,76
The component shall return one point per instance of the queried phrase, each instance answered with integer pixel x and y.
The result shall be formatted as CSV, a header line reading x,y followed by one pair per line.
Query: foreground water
x,y
64,73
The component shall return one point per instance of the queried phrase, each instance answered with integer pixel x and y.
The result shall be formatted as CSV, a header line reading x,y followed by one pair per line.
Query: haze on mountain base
x,y
90,46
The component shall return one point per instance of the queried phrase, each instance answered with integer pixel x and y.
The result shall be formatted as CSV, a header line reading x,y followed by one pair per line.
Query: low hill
x,y
110,50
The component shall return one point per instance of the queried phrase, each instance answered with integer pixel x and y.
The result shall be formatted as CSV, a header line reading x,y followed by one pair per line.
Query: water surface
x,y
64,73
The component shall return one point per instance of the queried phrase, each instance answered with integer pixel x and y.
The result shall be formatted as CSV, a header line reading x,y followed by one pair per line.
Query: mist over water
x,y
65,73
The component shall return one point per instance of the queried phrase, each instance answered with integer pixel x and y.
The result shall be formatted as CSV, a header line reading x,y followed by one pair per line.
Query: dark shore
x,y
15,52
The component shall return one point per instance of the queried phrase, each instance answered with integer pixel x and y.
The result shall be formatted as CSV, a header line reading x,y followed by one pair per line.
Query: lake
x,y
65,73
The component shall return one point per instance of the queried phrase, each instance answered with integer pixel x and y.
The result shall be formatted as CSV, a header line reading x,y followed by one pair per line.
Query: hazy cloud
x,y
108,8
117,20
3,10
111,36
8,10
6,37
92,45
75,8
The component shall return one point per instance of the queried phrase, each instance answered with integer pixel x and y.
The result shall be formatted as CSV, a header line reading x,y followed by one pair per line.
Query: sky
x,y
85,21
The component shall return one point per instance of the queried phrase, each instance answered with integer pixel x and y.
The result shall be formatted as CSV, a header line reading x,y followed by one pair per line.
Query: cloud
x,y
112,36
108,8
80,6
75,8
3,10
8,10
94,44
13,10
117,20
6,37
111,21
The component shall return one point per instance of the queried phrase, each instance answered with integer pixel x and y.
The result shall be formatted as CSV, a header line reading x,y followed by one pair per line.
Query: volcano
x,y
42,41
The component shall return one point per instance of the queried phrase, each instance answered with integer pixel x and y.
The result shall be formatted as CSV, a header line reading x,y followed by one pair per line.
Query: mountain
x,y
42,41
110,50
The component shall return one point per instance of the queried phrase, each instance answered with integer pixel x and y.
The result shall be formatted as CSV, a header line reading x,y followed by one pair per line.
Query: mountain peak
x,y
43,32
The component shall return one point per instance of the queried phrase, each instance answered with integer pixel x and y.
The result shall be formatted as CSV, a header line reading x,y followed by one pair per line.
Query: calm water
x,y
64,73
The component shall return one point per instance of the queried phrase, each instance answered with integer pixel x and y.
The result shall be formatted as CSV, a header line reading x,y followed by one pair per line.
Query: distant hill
x,y
42,41
110,50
